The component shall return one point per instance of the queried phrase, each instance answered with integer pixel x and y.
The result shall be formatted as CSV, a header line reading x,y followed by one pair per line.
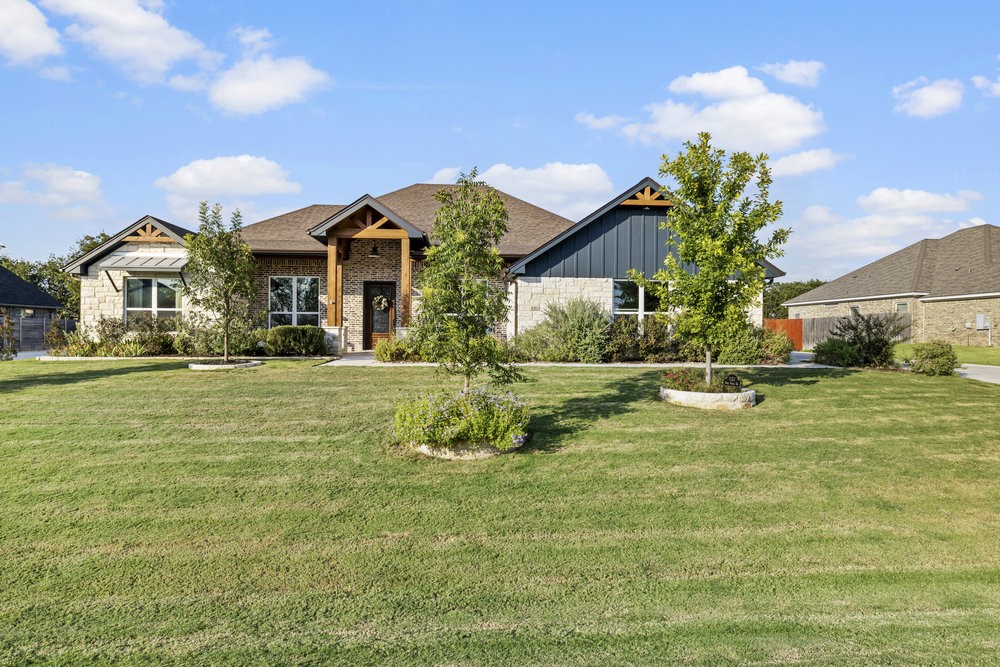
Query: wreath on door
x,y
380,302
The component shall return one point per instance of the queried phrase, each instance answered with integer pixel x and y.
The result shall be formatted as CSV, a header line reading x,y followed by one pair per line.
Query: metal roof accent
x,y
146,262
79,264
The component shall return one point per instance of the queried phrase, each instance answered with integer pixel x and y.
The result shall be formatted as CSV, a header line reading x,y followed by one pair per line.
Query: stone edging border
x,y
477,453
193,359
225,367
710,401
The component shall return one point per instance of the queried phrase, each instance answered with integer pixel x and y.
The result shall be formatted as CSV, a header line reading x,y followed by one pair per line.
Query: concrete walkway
x,y
799,360
30,354
980,372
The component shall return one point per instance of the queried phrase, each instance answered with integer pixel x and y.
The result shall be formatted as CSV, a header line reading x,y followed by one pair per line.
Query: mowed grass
x,y
149,514
989,356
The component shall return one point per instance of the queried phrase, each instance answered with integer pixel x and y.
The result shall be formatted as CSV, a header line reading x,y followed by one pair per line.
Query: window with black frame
x,y
293,300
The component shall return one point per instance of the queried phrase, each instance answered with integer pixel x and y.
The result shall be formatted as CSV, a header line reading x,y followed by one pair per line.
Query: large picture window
x,y
154,297
294,300
631,299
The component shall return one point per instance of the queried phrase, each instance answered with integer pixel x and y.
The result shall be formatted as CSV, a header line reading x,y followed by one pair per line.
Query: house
x,y
949,286
22,299
351,269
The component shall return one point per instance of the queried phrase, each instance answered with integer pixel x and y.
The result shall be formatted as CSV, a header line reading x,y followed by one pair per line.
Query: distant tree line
x,y
777,293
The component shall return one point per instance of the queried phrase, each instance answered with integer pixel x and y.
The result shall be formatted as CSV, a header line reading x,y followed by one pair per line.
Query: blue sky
x,y
880,118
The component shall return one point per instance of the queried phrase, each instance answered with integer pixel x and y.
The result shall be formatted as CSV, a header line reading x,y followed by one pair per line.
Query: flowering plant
x,y
690,379
380,302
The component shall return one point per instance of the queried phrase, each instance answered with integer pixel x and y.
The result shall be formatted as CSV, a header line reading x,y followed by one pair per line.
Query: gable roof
x,y
966,262
79,265
319,231
412,207
770,270
15,291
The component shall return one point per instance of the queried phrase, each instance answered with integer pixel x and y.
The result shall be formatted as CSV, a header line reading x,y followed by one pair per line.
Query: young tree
x,y
713,274
220,269
459,304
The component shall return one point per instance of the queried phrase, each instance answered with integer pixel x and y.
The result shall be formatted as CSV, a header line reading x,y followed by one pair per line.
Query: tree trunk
x,y
466,386
225,344
708,366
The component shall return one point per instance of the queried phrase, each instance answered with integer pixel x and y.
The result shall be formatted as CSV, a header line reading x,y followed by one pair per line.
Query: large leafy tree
x,y
713,274
48,276
220,269
777,293
462,296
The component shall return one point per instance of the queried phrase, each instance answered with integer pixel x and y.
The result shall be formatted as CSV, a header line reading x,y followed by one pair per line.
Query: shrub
x,y
301,341
776,348
111,332
934,358
54,338
623,340
154,335
475,417
873,336
130,348
836,352
577,331
76,344
742,346
394,349
7,349
690,379
655,342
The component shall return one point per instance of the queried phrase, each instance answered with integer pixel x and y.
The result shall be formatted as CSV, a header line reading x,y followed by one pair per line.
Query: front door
x,y
379,312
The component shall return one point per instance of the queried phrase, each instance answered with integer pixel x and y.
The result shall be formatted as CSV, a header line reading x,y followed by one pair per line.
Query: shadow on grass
x,y
783,377
28,380
552,426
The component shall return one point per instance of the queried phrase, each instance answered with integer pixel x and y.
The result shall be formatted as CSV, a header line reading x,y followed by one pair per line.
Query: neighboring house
x,y
949,286
22,299
328,265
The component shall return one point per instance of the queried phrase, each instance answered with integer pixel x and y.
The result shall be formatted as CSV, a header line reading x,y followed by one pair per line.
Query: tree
x,y
713,274
48,276
462,297
220,269
777,293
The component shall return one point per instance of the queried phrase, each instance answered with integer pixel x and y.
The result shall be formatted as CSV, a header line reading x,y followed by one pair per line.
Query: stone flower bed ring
x,y
685,389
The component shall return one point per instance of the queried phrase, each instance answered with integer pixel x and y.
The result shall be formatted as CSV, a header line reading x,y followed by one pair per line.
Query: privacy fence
x,y
806,333
29,332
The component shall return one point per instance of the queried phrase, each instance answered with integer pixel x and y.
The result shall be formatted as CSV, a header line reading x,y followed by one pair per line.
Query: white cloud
x,y
805,162
746,116
902,202
725,84
25,35
58,73
825,244
69,194
988,86
796,72
600,122
132,35
926,99
264,83
446,175
571,190
221,178
254,40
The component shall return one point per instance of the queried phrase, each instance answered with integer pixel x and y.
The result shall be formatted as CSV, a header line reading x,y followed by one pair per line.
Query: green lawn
x,y
966,355
149,514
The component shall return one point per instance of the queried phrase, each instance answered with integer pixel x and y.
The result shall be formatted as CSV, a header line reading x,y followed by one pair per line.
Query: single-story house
x,y
335,265
949,286
22,299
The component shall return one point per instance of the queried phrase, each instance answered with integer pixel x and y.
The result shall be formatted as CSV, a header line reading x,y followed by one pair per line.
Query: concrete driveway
x,y
980,372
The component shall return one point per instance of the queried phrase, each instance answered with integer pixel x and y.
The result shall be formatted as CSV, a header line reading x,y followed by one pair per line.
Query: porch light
x,y
374,251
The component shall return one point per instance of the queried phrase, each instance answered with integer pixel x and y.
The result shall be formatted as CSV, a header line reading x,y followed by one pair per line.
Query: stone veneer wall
x,y
267,266
942,320
102,293
534,293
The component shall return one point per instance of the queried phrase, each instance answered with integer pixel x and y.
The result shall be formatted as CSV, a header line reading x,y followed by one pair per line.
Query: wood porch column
x,y
406,281
334,286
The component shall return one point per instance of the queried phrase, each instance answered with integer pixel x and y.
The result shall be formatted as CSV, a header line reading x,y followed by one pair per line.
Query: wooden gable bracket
x,y
647,197
149,234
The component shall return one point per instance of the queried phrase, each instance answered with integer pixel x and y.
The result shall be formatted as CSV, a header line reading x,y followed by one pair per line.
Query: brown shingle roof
x,y
528,225
289,232
964,262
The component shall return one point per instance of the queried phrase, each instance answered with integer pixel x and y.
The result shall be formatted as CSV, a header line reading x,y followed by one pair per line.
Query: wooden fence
x,y
29,332
807,332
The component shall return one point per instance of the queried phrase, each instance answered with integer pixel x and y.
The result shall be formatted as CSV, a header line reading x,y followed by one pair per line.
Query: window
x,y
155,297
902,307
631,299
855,310
294,300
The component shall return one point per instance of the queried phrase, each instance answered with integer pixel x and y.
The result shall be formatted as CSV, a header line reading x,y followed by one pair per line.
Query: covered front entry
x,y
379,312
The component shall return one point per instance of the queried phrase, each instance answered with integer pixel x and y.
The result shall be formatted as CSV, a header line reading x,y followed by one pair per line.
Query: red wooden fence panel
x,y
791,328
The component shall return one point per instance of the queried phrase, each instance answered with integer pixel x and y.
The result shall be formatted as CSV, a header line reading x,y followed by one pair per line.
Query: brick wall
x,y
360,268
285,265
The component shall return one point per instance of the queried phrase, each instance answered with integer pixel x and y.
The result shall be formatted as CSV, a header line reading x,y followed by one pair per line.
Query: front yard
x,y
152,514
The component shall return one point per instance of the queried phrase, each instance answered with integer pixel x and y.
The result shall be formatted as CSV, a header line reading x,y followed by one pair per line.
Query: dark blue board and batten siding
x,y
626,237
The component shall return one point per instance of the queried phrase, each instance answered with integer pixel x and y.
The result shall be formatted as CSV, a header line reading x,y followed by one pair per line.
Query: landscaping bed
x,y
150,514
